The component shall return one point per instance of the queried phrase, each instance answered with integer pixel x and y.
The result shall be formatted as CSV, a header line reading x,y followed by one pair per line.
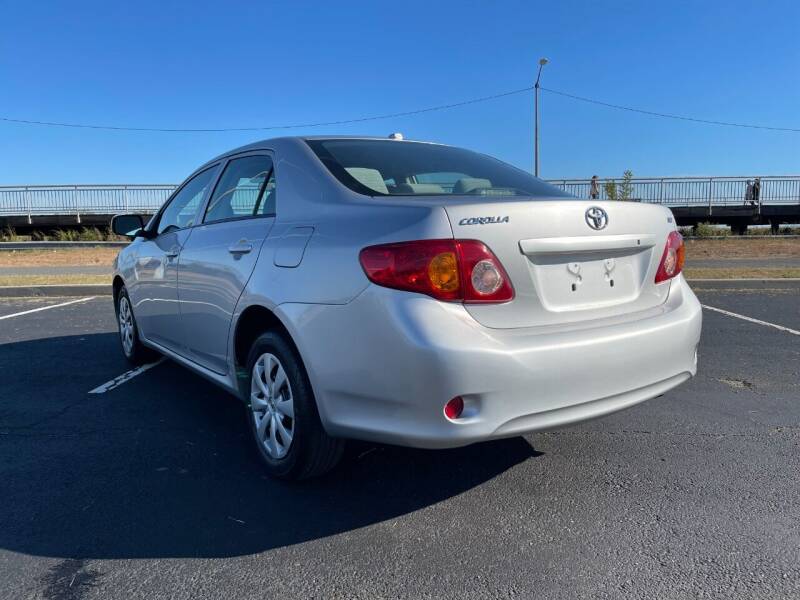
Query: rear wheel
x,y
282,413
132,347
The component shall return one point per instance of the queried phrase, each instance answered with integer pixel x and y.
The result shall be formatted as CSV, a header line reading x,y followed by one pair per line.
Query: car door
x,y
218,259
154,292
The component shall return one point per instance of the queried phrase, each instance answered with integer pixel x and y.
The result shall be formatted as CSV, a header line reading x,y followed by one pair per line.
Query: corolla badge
x,y
483,220
596,217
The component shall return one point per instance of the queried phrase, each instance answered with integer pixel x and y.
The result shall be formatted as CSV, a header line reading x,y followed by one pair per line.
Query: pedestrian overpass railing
x,y
81,199
693,191
32,200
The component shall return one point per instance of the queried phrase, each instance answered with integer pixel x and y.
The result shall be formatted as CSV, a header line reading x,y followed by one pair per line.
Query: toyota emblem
x,y
596,217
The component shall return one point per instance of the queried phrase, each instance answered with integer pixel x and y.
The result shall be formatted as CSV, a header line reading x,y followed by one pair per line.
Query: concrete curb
x,y
31,291
792,280
744,284
780,236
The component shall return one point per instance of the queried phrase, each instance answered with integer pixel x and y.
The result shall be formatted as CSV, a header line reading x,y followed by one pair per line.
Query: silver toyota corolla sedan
x,y
403,292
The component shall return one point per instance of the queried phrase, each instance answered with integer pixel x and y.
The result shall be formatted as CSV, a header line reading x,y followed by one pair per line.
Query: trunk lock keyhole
x,y
609,264
575,269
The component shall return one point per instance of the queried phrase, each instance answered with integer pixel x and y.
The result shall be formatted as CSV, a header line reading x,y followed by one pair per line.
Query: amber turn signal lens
x,y
443,272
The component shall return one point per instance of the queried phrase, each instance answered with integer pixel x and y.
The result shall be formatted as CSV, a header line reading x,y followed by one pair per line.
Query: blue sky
x,y
239,64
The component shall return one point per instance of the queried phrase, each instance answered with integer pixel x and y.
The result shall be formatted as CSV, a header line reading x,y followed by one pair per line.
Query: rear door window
x,y
266,205
243,191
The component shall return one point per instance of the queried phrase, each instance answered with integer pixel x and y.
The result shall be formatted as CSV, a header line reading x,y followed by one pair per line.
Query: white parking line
x,y
752,320
119,380
33,310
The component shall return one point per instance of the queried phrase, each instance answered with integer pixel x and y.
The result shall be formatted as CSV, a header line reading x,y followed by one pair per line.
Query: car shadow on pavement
x,y
162,467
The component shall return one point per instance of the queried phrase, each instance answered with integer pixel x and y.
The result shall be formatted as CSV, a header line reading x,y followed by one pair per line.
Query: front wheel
x,y
132,347
282,413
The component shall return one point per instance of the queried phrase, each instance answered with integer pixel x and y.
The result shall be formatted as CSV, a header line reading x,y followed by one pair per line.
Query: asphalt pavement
x,y
151,490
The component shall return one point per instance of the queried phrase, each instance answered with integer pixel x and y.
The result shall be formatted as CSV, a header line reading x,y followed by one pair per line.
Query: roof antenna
x,y
396,136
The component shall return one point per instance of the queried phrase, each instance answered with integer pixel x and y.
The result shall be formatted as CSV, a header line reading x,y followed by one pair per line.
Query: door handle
x,y
242,247
172,252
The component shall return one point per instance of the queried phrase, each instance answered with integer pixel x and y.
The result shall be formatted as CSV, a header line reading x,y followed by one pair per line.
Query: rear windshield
x,y
398,168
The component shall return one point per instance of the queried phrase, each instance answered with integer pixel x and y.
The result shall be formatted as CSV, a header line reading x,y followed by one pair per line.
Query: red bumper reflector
x,y
454,408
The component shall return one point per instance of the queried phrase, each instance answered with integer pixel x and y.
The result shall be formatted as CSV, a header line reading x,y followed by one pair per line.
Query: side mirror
x,y
127,225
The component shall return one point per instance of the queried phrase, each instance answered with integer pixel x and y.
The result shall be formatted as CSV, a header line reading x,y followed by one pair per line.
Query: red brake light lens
x,y
673,258
453,270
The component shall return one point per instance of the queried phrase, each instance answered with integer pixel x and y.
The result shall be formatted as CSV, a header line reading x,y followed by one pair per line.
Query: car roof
x,y
277,143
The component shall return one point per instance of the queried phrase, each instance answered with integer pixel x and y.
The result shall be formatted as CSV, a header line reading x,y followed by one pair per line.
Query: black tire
x,y
311,451
137,353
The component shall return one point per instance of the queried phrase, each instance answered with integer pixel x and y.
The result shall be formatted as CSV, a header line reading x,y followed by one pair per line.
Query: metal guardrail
x,y
694,191
33,200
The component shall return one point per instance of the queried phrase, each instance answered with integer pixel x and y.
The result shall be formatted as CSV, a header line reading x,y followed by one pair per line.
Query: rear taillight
x,y
672,260
453,270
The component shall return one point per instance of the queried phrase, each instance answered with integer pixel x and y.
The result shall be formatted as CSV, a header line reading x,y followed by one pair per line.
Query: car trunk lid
x,y
563,269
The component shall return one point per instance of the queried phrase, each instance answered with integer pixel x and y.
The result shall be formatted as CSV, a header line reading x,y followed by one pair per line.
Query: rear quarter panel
x,y
330,271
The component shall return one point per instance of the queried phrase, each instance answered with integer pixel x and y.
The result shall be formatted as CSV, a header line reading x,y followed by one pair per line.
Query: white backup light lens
x,y
670,262
486,277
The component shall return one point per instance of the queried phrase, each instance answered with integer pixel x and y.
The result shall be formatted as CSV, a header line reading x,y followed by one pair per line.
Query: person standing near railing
x,y
594,188
748,192
757,191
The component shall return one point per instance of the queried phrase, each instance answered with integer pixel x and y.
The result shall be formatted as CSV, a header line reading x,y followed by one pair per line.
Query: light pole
x,y
542,63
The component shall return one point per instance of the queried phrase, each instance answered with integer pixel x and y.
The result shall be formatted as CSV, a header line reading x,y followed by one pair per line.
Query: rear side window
x,y
400,168
242,190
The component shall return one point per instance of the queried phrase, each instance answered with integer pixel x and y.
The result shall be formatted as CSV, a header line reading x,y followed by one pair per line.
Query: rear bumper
x,y
383,366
